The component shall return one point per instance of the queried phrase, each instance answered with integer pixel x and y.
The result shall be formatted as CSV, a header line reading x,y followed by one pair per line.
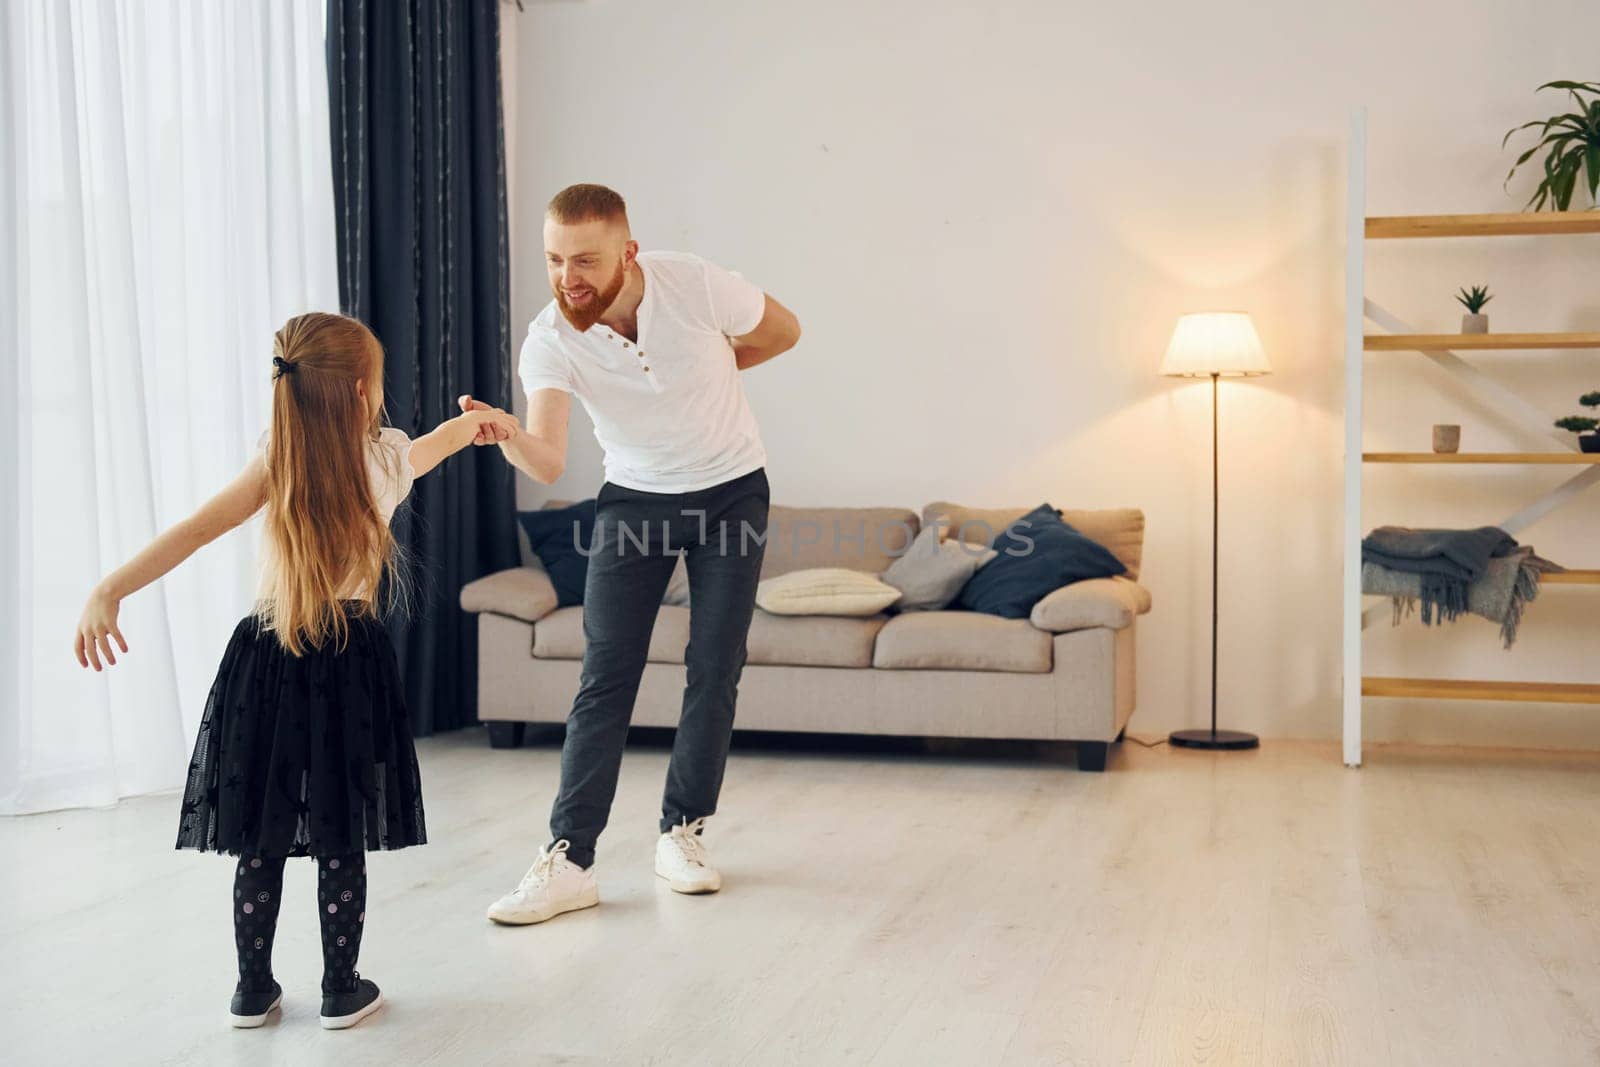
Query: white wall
x,y
988,217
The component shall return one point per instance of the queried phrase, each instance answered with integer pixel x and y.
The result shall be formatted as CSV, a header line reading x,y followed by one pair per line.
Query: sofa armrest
x,y
1110,602
524,593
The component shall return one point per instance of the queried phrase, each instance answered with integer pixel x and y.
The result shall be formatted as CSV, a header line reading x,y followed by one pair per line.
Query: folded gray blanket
x,y
1447,562
1500,594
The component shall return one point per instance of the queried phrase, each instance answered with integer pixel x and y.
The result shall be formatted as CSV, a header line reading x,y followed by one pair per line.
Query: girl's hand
x,y
483,425
492,425
95,629
487,434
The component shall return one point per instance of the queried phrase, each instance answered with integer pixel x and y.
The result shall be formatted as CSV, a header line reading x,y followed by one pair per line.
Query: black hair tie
x,y
283,366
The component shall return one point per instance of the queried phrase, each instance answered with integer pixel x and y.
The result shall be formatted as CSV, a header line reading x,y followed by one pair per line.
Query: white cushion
x,y
825,591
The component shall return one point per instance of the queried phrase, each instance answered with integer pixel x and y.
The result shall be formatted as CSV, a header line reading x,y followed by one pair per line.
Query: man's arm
x,y
774,335
540,450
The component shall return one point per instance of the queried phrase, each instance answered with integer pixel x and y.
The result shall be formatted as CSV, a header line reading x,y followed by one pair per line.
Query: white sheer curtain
x,y
167,203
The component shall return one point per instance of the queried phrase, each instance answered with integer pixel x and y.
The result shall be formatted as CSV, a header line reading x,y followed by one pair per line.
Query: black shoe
x,y
250,1010
340,1011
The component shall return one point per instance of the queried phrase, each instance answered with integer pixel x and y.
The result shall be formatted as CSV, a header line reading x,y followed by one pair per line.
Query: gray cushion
x,y
524,593
1121,530
932,572
962,640
1109,602
812,640
559,635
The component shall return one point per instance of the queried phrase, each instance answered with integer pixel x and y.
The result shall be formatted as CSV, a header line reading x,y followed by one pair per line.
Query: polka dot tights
x,y
257,887
342,908
341,911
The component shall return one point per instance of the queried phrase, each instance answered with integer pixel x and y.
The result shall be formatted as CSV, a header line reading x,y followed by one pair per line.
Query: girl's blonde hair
x,y
331,543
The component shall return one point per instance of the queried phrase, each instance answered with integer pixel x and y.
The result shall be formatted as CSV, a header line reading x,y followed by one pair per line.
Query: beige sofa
x,y
1064,674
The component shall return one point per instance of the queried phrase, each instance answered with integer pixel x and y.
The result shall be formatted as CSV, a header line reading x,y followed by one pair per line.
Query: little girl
x,y
305,746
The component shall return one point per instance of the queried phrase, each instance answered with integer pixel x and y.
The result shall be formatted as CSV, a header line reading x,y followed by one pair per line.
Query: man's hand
x,y
490,433
538,449
774,335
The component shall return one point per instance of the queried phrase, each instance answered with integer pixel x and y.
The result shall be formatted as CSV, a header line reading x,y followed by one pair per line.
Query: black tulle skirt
x,y
307,756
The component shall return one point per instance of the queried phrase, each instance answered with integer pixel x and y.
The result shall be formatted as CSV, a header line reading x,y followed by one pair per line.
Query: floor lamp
x,y
1215,345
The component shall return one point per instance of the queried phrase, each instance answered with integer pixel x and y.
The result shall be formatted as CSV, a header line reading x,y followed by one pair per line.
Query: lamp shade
x,y
1215,342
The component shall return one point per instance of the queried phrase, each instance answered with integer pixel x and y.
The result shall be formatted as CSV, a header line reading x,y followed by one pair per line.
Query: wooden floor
x,y
1435,907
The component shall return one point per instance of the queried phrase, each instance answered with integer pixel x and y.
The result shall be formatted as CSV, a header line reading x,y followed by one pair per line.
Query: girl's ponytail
x,y
328,543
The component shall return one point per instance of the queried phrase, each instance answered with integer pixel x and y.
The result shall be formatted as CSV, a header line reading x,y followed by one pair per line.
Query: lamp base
x,y
1213,739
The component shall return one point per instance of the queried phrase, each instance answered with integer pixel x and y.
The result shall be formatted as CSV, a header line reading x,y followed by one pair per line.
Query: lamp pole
x,y
1214,738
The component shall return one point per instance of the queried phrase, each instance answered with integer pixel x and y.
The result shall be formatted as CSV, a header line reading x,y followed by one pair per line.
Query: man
x,y
652,345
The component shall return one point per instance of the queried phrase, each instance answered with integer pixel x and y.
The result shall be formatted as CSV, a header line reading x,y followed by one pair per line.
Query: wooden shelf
x,y
1476,342
1451,689
1481,457
1514,224
1577,577
1575,470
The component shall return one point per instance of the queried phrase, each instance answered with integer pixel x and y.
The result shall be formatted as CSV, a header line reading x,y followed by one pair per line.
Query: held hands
x,y
95,630
494,425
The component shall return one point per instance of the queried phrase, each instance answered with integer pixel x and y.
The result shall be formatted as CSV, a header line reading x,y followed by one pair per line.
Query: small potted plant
x,y
1572,148
1583,425
1474,321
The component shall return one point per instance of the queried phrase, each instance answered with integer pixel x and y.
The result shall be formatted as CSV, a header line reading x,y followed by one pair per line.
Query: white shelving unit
x,y
1398,336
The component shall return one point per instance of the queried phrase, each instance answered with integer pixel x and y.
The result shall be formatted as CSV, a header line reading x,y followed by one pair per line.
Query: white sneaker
x,y
681,859
553,886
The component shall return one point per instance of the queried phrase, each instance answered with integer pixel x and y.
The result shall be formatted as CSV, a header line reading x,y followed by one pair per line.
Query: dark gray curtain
x,y
419,190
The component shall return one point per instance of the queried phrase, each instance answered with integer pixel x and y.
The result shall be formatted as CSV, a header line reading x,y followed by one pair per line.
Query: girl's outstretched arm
x,y
242,498
452,435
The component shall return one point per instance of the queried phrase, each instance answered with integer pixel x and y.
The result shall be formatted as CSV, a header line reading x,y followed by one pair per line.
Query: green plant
x,y
1473,299
1573,141
1582,423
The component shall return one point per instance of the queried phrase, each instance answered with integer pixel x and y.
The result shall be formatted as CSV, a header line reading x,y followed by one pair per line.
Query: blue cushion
x,y
556,535
1038,555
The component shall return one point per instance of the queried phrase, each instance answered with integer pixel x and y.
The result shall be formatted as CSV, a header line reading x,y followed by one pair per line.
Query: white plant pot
x,y
1474,324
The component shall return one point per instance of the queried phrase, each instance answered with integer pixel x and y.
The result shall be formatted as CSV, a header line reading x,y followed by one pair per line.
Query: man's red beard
x,y
589,314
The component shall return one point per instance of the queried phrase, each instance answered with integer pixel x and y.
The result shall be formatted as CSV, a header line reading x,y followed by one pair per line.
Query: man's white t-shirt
x,y
669,409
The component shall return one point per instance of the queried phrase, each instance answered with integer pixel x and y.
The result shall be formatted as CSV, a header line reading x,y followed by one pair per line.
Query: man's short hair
x,y
585,202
